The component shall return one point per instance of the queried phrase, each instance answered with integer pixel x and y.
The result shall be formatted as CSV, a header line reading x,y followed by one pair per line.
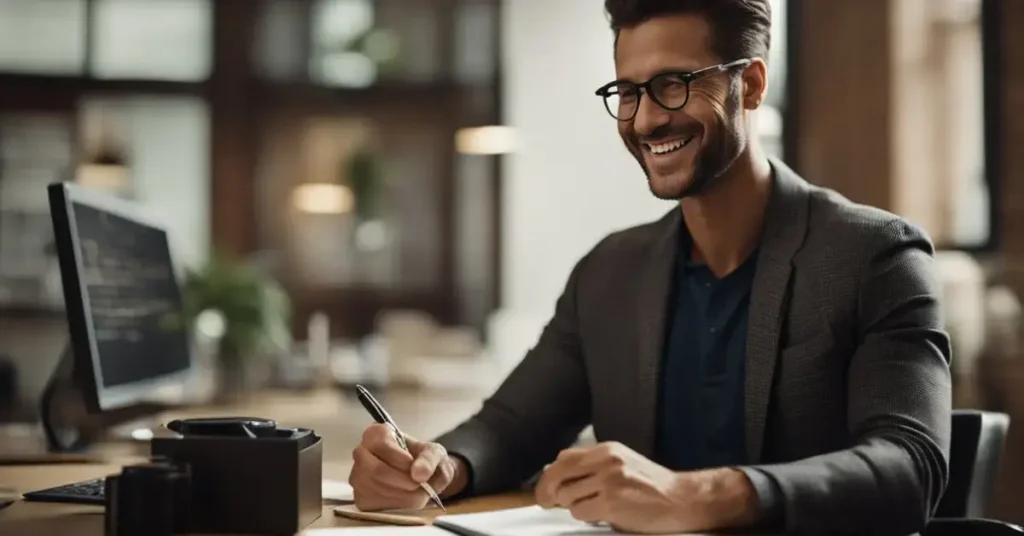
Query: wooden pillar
x,y
233,129
843,97
1011,130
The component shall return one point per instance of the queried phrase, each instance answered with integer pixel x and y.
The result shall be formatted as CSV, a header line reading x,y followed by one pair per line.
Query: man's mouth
x,y
666,147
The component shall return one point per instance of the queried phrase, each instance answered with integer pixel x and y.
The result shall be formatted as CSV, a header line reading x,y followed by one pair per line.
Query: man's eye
x,y
627,92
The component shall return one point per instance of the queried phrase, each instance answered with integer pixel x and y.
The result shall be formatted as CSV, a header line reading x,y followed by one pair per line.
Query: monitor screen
x,y
129,287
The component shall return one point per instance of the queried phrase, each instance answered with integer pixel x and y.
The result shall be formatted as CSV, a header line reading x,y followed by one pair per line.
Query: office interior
x,y
407,184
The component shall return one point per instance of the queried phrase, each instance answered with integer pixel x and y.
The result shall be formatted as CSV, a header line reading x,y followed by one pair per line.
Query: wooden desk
x,y
339,419
56,519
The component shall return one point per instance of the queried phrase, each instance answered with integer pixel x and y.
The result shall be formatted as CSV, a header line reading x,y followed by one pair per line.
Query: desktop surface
x,y
336,417
60,519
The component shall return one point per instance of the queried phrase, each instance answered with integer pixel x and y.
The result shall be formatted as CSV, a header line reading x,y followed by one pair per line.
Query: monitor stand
x,y
67,424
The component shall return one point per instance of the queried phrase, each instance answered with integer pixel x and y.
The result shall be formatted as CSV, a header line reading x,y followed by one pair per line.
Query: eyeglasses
x,y
670,90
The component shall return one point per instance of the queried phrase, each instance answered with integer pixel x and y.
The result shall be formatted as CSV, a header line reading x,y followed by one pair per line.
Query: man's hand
x,y
613,484
385,477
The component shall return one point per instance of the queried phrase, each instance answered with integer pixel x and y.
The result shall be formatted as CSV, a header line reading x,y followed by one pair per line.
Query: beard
x,y
717,154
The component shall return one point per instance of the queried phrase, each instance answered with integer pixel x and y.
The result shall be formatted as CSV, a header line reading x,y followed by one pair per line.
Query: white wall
x,y
571,181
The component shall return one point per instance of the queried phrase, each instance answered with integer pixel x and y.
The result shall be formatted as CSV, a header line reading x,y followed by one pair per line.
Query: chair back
x,y
975,450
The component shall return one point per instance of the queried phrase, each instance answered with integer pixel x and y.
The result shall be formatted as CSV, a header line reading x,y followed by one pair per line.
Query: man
x,y
769,355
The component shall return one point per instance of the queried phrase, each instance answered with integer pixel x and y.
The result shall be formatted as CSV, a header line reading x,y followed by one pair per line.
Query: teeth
x,y
662,148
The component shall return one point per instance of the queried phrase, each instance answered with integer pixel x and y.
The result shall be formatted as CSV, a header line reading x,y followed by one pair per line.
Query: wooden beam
x,y
233,128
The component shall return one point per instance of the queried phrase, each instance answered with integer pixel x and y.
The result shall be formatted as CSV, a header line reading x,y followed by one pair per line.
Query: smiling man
x,y
768,354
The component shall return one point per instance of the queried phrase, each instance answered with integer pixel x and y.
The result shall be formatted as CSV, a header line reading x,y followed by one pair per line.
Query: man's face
x,y
681,151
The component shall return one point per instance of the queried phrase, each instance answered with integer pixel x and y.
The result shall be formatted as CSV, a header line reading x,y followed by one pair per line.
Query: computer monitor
x,y
120,286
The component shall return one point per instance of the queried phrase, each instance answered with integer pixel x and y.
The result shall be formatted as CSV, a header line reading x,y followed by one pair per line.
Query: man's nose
x,y
649,116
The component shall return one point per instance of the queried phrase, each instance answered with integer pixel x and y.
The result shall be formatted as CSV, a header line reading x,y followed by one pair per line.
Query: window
x,y
132,39
42,37
357,43
163,143
360,209
363,202
942,175
963,101
770,115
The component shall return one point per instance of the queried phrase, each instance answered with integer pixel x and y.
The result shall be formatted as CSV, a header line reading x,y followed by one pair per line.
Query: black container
x,y
151,499
242,485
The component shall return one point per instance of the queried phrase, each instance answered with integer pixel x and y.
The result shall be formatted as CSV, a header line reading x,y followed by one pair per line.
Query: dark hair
x,y
739,28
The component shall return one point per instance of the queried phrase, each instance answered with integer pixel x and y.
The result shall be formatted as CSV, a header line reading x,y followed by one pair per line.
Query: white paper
x,y
532,520
335,490
383,530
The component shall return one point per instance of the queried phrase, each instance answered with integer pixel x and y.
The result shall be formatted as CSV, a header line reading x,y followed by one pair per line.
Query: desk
x,y
340,420
56,519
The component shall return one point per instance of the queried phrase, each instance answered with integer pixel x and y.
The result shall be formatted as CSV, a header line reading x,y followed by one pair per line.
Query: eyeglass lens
x,y
667,90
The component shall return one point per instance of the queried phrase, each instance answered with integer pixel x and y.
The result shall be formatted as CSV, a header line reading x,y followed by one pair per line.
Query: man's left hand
x,y
614,484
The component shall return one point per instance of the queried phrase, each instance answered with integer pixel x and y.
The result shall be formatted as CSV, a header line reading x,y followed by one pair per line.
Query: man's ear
x,y
755,84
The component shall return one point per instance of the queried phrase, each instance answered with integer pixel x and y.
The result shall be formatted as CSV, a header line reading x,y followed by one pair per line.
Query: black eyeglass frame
x,y
686,77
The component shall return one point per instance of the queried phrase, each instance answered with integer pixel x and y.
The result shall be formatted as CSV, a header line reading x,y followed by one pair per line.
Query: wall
x,y
571,182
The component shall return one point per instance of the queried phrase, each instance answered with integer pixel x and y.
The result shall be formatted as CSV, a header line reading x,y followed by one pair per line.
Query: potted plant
x,y
250,314
364,175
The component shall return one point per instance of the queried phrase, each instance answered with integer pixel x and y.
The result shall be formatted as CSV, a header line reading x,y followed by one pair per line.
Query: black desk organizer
x,y
269,484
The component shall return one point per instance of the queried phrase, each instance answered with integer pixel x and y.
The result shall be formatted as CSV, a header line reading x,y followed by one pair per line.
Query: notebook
x,y
532,520
528,520
334,490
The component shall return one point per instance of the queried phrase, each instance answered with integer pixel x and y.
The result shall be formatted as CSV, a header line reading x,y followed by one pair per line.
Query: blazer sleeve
x,y
899,406
540,409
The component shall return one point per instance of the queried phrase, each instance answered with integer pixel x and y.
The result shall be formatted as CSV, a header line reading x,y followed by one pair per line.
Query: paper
x,y
532,520
383,530
335,490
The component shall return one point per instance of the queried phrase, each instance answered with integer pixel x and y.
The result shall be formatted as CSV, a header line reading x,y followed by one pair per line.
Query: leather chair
x,y
976,447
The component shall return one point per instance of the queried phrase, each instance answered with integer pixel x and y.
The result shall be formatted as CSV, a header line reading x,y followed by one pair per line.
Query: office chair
x,y
975,449
976,446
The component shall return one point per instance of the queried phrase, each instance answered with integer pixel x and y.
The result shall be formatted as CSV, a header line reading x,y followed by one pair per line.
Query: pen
x,y
380,415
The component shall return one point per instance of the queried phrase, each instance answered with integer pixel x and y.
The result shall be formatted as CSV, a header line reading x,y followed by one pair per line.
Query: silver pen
x,y
380,415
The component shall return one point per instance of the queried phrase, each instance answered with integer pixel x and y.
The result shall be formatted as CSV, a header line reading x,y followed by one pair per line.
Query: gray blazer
x,y
848,391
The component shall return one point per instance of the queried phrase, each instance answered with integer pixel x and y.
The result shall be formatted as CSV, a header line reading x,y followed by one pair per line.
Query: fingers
x,y
546,488
443,476
369,499
380,440
378,486
591,510
428,459
579,490
380,472
573,465
570,465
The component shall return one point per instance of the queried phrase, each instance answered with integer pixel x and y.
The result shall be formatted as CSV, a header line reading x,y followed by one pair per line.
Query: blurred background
x,y
416,178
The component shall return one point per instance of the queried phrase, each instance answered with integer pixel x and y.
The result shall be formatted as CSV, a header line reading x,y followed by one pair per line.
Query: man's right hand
x,y
385,477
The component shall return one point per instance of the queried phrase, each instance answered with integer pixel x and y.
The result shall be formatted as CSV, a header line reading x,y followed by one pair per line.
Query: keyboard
x,y
84,492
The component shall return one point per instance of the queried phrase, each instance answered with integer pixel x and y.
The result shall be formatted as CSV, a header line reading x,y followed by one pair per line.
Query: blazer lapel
x,y
784,230
655,285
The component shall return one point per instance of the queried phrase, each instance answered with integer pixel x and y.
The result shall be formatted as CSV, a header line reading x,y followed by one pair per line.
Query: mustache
x,y
668,131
